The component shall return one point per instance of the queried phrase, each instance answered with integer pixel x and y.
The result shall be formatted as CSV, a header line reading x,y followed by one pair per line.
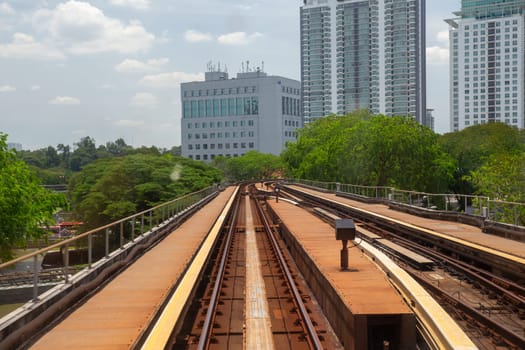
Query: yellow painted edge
x,y
159,336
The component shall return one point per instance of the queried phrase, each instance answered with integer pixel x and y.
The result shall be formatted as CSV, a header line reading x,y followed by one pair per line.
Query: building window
x,y
186,112
240,106
255,105
209,108
247,106
224,107
216,108
231,106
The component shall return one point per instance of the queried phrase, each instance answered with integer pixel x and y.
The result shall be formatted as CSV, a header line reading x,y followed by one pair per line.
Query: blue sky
x,y
111,68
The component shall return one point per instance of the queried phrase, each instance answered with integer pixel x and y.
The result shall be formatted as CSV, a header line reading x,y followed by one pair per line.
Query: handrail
x,y
100,229
472,204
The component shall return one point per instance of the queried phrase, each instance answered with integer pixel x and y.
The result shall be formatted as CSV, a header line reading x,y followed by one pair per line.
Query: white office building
x,y
363,54
487,63
229,117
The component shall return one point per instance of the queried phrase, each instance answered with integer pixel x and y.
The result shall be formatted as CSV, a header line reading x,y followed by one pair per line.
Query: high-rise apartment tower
x,y
487,54
363,54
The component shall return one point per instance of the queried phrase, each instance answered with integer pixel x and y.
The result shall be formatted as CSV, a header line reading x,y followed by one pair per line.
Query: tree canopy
x,y
111,188
370,150
474,146
253,165
25,206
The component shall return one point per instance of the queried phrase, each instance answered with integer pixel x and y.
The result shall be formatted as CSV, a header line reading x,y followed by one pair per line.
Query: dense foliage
x,y
252,165
111,188
370,150
479,146
56,165
25,206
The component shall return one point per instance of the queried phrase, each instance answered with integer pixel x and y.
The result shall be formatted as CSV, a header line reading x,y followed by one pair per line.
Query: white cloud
x,y
25,46
194,36
129,123
144,100
135,66
437,55
170,80
35,87
64,100
136,4
245,7
7,88
238,38
84,29
442,36
6,9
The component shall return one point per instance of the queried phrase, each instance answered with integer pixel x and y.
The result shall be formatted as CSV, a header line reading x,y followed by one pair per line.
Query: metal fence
x,y
496,210
94,246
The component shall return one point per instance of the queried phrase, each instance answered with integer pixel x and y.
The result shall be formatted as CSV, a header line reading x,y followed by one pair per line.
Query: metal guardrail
x,y
101,242
512,213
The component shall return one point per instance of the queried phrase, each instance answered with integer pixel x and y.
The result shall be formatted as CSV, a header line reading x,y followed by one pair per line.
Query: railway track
x,y
489,307
254,298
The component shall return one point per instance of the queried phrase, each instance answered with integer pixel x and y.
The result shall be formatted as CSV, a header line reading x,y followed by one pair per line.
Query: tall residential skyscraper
x,y
487,54
363,54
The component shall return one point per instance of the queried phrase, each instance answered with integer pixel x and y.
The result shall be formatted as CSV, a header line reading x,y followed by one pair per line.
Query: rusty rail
x,y
313,338
205,338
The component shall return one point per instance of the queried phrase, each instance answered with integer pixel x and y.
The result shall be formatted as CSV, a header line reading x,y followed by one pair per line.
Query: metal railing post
x,y
121,235
35,278
107,242
142,224
133,229
66,263
90,250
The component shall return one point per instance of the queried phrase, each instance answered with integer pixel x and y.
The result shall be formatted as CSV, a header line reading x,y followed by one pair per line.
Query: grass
x,y
7,308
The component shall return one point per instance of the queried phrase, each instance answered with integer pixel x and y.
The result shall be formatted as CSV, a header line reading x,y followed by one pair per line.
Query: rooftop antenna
x,y
242,64
263,66
225,69
219,66
247,66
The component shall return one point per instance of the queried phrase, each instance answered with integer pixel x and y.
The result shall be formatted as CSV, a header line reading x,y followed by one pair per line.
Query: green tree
x,y
253,165
25,206
501,177
111,188
370,150
85,153
473,146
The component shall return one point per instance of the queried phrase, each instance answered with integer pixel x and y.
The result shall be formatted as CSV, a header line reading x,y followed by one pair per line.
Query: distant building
x,y
229,117
14,145
431,123
487,55
363,54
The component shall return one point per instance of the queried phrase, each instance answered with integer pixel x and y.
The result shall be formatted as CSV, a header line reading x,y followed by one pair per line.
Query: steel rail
x,y
510,337
313,338
502,288
205,337
496,329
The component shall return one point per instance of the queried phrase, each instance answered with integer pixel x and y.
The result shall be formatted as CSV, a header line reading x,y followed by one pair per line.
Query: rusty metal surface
x,y
466,232
364,288
116,316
